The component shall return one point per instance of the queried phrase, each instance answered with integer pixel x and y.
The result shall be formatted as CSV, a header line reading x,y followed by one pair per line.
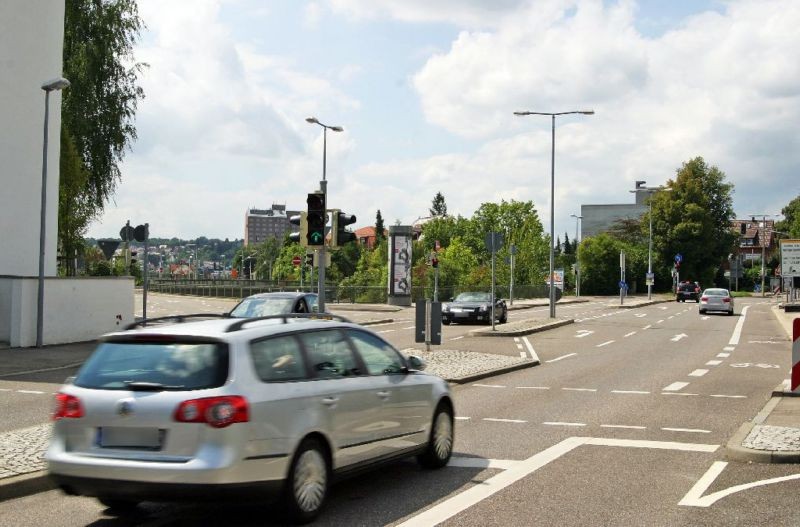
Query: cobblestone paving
x,y
22,451
454,364
773,438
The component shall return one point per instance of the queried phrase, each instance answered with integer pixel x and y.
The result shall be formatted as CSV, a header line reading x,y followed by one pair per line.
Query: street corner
x,y
520,328
460,367
755,443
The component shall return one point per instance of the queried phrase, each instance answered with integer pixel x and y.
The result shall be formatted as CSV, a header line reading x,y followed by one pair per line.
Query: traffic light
x,y
310,259
301,236
340,236
316,220
434,262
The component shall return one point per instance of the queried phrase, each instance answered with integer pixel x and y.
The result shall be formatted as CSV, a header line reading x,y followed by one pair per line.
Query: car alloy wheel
x,y
440,444
308,482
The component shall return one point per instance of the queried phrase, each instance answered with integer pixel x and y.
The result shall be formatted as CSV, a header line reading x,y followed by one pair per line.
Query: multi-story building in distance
x,y
600,218
262,224
755,236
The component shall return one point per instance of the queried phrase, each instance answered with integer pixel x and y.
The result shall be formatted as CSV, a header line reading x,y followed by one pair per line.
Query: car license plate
x,y
130,437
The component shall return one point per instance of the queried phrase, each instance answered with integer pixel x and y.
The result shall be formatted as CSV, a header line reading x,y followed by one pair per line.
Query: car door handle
x,y
383,395
330,401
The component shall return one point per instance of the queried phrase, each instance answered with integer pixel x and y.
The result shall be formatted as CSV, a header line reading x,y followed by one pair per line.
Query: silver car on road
x,y
716,299
264,407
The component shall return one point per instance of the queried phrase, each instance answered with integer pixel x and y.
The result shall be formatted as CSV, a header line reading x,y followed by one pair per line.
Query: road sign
x,y
790,258
297,261
650,278
126,233
679,257
494,241
622,285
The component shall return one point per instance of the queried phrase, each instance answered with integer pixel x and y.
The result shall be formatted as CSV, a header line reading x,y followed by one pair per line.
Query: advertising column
x,y
400,261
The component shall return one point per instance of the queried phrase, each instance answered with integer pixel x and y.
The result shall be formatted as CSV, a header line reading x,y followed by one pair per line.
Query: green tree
x,y
438,207
75,210
599,257
694,219
380,229
99,107
791,219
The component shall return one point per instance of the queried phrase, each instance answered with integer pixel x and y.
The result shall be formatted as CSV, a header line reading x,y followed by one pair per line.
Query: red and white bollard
x,y
796,356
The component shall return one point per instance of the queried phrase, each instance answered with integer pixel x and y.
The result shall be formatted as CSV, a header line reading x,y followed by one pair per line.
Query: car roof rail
x,y
239,324
174,318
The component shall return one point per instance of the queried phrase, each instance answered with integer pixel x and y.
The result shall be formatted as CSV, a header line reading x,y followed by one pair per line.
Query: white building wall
x,y
31,43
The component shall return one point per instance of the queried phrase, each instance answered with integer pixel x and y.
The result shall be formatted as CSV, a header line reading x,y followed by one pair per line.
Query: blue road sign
x,y
679,257
622,285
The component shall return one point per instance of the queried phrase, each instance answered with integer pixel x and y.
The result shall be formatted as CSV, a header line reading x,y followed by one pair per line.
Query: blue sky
x,y
425,92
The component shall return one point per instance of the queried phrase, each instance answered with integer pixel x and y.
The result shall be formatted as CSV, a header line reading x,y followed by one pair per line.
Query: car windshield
x,y
155,366
262,307
715,292
473,297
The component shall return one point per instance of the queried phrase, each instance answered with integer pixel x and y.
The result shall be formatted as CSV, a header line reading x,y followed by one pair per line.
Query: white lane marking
x,y
670,317
629,427
631,392
698,373
489,385
660,321
583,333
689,430
695,498
410,327
561,357
457,338
678,337
5,389
640,315
679,314
528,345
604,344
503,420
463,418
730,396
723,355
675,386
36,392
387,331
629,334
479,462
713,363
728,348
737,332
560,423
533,387
680,393
648,326
580,389
704,317
663,308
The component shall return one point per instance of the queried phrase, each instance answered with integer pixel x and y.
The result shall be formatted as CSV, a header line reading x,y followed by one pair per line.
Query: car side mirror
x,y
416,363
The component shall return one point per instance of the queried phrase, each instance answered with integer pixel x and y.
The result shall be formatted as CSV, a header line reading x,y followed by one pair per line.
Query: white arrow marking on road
x,y
705,317
640,315
675,386
695,498
678,337
583,333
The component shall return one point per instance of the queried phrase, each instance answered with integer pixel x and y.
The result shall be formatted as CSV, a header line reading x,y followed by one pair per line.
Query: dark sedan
x,y
265,304
474,307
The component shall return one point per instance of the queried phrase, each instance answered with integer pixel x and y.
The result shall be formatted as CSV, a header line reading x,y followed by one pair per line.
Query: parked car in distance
x,y
265,304
248,409
716,299
474,307
688,291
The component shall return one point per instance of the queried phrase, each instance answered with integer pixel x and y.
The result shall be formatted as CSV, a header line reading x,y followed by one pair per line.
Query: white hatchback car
x,y
270,406
716,299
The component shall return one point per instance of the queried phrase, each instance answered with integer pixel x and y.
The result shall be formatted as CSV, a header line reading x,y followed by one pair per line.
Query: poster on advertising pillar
x,y
400,265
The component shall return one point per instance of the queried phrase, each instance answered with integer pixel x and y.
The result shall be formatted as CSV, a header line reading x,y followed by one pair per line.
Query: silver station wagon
x,y
271,407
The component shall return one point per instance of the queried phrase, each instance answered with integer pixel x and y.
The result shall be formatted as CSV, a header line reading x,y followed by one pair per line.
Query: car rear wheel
x,y
702,311
307,485
440,442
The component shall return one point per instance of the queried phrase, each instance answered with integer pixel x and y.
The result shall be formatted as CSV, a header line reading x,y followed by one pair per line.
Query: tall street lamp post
x,y
323,186
577,262
651,190
51,85
552,194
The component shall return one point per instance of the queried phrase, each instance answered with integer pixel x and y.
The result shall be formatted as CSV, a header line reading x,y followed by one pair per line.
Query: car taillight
x,y
704,299
218,412
67,407
726,300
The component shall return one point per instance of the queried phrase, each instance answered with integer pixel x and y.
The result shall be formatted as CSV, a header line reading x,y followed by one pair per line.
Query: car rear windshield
x,y
262,307
155,366
715,292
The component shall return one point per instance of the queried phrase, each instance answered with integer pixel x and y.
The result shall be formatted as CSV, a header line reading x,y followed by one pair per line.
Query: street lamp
x,y
577,262
552,194
762,240
651,190
55,84
324,188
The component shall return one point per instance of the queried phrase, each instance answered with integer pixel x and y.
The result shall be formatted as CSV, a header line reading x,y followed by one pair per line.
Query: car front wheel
x,y
307,485
440,442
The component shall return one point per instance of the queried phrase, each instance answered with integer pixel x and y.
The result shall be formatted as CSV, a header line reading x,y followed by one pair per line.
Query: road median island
x,y
461,367
520,328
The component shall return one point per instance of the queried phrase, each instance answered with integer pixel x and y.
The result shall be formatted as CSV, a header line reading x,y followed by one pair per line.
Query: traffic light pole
x,y
322,258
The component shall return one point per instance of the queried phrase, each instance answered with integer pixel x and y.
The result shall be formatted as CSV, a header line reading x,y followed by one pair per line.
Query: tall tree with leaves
x,y
438,207
791,219
99,107
694,219
380,229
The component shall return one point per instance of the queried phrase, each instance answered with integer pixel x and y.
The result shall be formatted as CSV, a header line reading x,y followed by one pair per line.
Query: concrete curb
x,y
641,304
566,302
25,485
491,373
487,332
734,451
375,322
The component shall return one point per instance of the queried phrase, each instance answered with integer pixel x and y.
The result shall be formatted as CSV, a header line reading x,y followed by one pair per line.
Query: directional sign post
x,y
621,277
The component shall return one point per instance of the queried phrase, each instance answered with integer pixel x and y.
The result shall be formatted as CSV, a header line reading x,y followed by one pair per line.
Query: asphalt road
x,y
622,424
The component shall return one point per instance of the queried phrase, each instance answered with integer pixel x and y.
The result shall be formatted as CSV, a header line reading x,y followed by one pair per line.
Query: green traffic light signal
x,y
316,219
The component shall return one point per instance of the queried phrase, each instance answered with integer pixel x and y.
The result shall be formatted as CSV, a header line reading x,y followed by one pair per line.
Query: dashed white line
x,y
728,348
675,386
660,321
698,373
605,344
680,393
560,423
533,387
458,418
495,420
457,338
561,357
387,331
648,326
713,363
489,385
688,430
36,392
723,355
629,427
580,389
631,392
737,332
629,334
